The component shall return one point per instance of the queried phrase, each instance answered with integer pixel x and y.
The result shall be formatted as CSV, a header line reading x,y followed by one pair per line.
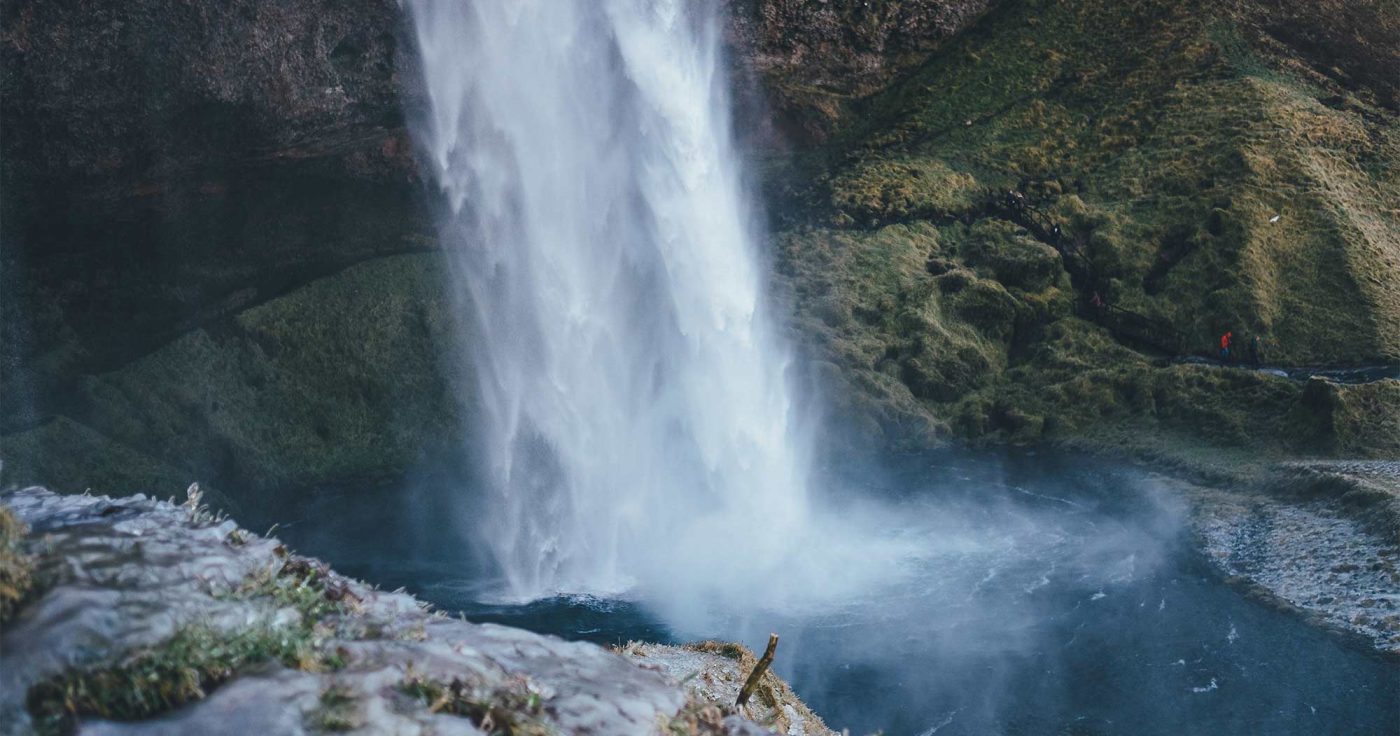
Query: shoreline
x,y
1301,556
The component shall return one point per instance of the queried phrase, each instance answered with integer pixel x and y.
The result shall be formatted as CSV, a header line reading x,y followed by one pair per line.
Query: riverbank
x,y
1319,539
148,616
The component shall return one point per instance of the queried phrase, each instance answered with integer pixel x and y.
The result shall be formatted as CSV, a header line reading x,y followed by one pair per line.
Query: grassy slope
x,y
1165,137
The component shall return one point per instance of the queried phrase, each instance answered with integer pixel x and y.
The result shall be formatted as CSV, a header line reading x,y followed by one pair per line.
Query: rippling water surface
x,y
1053,596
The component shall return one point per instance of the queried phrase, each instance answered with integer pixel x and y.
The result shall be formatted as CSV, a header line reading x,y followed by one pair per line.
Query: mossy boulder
x,y
1009,254
339,382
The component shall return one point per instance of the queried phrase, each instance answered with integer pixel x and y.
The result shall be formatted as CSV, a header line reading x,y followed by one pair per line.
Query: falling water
x,y
637,419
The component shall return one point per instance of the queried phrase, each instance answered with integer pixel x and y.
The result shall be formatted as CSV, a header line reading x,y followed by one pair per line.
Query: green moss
x,y
882,191
198,658
1213,180
513,710
16,567
161,678
338,710
300,584
69,457
726,649
1007,253
341,379
1356,420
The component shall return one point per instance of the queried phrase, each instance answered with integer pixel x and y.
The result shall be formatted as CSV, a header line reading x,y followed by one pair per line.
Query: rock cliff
x,y
219,262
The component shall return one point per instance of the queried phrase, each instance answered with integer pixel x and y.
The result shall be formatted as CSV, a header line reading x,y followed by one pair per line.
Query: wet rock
x,y
806,59
119,588
712,674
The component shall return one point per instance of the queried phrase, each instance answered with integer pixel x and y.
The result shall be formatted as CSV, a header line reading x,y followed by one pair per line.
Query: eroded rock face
x,y
122,578
810,58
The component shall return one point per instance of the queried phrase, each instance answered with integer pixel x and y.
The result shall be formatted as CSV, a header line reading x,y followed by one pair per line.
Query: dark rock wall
x,y
164,164
173,176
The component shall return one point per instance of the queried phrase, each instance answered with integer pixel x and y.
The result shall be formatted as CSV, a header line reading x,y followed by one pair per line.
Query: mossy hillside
x,y
929,354
1211,184
1187,143
339,380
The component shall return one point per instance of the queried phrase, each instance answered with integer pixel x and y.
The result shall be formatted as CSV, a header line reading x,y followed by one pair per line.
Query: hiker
x,y
1225,342
1254,357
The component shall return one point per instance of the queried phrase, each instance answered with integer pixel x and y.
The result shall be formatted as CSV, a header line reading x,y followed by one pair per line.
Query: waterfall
x,y
636,418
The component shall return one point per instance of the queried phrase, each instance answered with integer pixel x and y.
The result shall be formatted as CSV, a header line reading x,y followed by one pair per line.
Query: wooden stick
x,y
750,684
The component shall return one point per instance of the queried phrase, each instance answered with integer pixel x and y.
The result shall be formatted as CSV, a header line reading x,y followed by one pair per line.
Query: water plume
x,y
637,421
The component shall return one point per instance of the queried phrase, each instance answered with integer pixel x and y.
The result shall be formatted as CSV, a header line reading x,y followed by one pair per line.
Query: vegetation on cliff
x,y
1203,167
1195,165
340,381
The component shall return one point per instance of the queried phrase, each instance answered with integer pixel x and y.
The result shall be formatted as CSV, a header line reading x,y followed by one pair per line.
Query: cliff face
x,y
166,165
199,201
812,60
184,186
165,169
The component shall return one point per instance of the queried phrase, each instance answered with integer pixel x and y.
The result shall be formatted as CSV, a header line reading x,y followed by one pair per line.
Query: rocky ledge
x,y
133,614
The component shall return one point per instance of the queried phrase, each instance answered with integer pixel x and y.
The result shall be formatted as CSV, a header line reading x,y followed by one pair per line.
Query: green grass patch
x,y
158,679
198,658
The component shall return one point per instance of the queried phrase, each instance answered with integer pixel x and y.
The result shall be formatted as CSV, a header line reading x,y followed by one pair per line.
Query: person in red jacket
x,y
1226,342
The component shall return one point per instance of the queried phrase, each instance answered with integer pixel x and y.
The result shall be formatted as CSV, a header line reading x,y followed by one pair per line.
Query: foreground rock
x,y
713,672
156,618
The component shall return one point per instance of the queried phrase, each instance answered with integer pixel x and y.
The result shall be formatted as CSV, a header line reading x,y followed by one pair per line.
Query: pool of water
x,y
1053,596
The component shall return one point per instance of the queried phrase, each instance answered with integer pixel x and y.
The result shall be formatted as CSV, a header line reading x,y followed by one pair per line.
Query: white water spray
x,y
637,415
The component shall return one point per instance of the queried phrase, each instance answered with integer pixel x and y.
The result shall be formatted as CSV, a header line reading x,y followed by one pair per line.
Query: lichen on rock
x,y
158,618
